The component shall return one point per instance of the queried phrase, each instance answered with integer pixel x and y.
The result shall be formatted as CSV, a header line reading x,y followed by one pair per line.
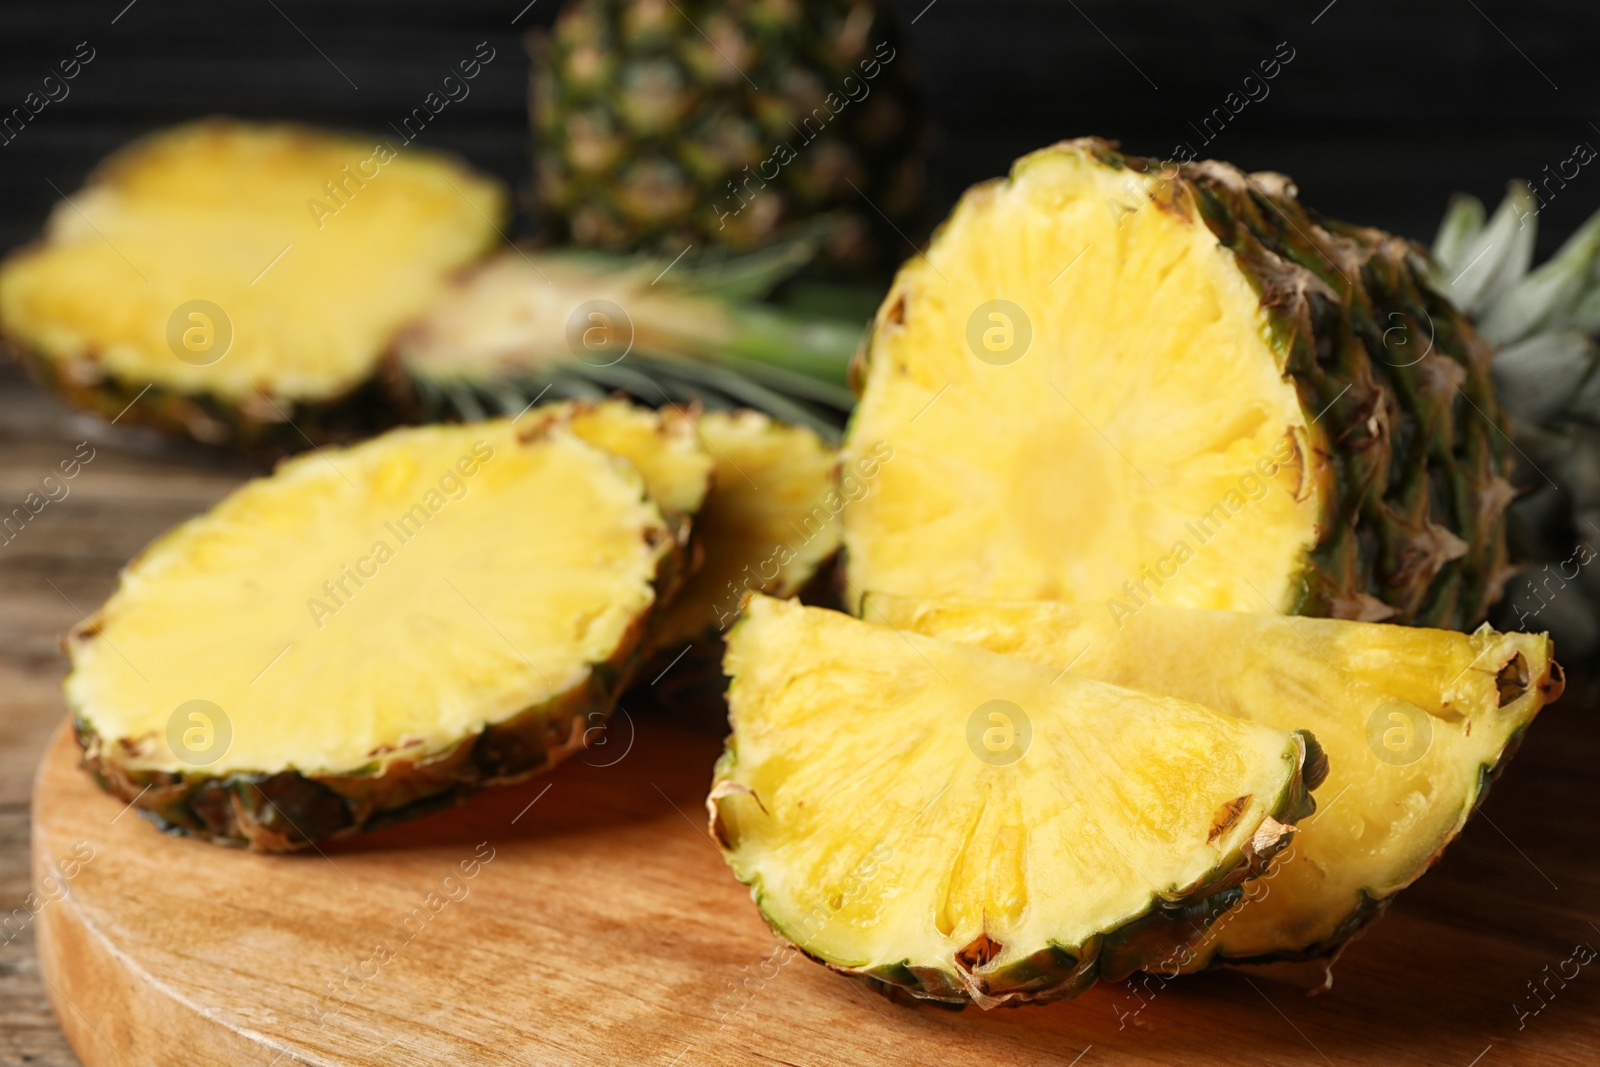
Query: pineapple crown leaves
x,y
1542,320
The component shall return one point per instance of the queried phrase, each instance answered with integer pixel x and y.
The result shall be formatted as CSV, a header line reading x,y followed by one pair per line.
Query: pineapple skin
x,y
659,125
358,414
1414,449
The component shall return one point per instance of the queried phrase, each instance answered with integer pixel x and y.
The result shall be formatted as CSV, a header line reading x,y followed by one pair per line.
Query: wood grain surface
x,y
605,928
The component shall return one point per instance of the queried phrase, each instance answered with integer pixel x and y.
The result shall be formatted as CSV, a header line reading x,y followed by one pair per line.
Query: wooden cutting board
x,y
585,918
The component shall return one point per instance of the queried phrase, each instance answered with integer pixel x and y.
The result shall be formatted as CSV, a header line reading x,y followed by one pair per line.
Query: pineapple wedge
x,y
952,825
371,632
769,524
1415,722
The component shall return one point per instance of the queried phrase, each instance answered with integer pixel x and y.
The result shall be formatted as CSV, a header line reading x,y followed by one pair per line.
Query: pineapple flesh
x,y
372,631
769,524
1415,723
1120,382
242,281
953,825
664,446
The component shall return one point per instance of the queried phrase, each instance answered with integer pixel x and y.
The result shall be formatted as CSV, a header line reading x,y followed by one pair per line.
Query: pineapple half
x,y
241,282
371,632
957,826
530,324
1120,382
1415,722
769,524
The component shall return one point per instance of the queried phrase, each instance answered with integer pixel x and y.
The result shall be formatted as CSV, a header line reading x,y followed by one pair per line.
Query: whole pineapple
x,y
663,124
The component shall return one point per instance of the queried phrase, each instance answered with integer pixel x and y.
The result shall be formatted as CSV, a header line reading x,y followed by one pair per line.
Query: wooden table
x,y
1434,983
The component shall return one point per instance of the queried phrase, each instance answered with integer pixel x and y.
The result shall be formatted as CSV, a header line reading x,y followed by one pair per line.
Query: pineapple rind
x,y
1169,920
286,810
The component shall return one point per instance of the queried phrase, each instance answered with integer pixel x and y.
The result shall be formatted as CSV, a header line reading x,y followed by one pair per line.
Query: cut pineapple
x,y
770,522
965,827
534,323
1415,723
663,445
1111,379
370,632
242,280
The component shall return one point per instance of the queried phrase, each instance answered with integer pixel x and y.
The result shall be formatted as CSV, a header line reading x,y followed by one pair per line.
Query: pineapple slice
x,y
962,827
1415,722
769,524
242,281
370,632
1115,378
663,445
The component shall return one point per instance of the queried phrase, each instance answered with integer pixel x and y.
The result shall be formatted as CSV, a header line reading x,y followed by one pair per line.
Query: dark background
x,y
1385,110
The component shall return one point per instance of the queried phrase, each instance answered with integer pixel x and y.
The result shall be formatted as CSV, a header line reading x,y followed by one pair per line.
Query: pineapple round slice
x,y
241,282
769,524
1111,379
1415,722
963,827
664,446
371,632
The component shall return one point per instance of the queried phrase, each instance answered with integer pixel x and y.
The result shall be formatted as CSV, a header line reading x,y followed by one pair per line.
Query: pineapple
x,y
661,125
1415,722
769,524
1122,382
371,632
1548,368
952,825
241,282
663,446
526,325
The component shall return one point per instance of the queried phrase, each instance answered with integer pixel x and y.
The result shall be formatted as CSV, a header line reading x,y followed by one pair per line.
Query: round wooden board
x,y
600,926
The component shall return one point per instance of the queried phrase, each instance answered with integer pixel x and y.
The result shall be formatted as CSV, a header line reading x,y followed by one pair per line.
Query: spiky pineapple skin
x,y
659,124
286,811
1405,425
265,431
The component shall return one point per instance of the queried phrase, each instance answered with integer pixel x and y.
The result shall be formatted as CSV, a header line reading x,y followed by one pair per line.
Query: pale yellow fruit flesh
x,y
1107,450
400,594
664,446
770,520
850,754
313,284
1410,719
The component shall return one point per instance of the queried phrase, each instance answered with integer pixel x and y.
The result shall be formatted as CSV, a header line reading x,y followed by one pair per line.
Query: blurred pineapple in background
x,y
1546,321
663,124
